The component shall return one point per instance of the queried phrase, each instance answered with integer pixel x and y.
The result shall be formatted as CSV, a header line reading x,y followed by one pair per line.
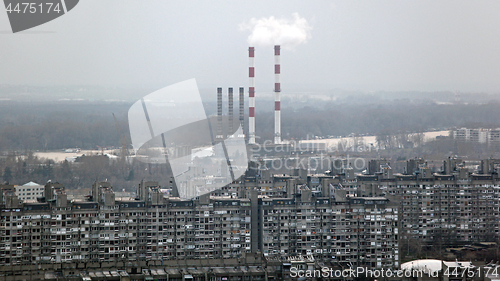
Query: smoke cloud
x,y
271,31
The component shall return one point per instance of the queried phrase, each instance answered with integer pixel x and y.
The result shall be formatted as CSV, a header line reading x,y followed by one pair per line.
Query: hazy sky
x,y
354,45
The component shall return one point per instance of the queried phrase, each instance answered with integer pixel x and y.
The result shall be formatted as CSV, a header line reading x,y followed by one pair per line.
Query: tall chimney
x,y
230,111
219,113
251,95
242,109
277,101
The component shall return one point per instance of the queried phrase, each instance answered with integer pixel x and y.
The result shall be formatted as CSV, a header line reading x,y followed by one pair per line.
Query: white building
x,y
494,136
471,135
29,192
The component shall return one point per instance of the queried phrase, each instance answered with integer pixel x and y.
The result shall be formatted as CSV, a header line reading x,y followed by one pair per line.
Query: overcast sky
x,y
353,45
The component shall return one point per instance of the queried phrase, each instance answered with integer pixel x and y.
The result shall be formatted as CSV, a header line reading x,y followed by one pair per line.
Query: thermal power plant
x,y
225,126
242,110
230,110
251,101
251,96
219,114
277,100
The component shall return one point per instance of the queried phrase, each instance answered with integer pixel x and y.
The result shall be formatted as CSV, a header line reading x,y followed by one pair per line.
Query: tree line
x,y
89,125
82,174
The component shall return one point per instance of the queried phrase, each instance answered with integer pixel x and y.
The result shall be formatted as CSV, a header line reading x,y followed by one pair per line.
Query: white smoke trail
x,y
272,31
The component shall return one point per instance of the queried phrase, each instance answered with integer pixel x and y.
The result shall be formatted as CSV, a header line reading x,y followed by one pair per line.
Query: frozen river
x,y
59,156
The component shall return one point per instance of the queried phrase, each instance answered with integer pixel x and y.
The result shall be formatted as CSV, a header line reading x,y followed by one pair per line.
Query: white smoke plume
x,y
271,31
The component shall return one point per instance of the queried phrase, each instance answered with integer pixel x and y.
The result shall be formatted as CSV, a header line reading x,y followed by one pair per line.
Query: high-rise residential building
x,y
151,229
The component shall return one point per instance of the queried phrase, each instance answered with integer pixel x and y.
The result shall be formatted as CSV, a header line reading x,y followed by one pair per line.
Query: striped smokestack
x,y
251,95
219,113
277,101
230,110
242,109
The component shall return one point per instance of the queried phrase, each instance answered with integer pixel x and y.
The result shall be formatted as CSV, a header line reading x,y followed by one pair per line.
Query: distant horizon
x,y
298,88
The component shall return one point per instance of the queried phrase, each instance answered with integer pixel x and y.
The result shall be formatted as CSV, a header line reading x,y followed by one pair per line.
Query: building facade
x,y
29,192
153,229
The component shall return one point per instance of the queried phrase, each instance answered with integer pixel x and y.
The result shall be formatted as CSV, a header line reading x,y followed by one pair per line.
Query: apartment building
x,y
494,137
360,231
449,208
479,135
29,192
152,229
339,219
472,135
452,207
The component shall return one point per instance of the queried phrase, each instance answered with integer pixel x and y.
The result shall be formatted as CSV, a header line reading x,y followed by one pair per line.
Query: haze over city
x,y
249,140
352,45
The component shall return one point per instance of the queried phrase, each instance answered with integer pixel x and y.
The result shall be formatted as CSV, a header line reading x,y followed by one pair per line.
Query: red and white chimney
x,y
277,100
251,95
